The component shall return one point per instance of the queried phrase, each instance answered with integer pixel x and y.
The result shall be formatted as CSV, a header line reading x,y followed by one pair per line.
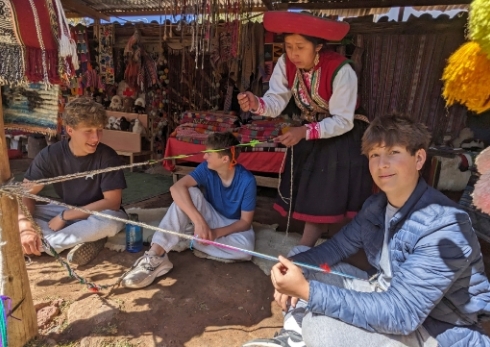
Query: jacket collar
x,y
375,211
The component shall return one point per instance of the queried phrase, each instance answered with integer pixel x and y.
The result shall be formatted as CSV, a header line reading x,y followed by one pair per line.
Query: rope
x,y
95,287
92,173
289,200
18,190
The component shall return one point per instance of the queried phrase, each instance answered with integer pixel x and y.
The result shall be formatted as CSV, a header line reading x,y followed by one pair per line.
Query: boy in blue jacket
x,y
430,288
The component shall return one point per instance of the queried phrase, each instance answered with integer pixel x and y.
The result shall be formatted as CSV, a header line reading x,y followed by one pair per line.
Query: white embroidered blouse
x,y
342,103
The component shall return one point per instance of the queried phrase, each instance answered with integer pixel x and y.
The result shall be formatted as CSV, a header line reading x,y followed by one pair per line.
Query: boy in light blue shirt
x,y
218,198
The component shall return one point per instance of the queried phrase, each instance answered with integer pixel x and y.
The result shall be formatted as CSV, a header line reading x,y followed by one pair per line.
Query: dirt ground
x,y
199,303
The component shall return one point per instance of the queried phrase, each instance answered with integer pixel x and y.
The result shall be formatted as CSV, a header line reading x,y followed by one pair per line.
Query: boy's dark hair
x,y
223,140
396,130
84,111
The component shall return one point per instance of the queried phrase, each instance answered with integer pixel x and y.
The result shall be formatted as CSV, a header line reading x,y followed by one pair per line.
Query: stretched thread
x,y
63,178
171,232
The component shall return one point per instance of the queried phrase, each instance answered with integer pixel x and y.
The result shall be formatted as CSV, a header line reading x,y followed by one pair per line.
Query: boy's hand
x,y
31,242
56,223
203,231
288,279
285,300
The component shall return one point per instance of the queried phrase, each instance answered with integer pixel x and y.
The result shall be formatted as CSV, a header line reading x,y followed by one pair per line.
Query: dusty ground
x,y
199,303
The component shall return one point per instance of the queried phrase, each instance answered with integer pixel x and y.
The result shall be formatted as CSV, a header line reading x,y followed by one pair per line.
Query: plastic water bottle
x,y
134,235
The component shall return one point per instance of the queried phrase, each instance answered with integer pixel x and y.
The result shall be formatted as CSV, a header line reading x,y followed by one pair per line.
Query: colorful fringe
x,y
467,78
479,24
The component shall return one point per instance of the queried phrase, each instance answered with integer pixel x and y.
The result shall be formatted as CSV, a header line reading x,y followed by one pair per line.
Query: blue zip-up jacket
x,y
438,273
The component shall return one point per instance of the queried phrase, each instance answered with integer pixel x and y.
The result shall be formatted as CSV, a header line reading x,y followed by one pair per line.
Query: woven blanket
x,y
189,116
33,109
106,61
35,30
12,59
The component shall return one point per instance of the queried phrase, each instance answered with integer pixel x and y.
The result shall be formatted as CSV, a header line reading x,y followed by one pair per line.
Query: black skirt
x,y
331,178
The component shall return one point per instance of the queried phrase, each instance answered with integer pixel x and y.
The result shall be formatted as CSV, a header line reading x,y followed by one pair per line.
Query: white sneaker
x,y
146,269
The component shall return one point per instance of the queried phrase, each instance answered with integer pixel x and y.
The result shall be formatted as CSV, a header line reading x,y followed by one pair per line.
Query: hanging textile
x,y
32,109
12,60
106,61
33,20
79,35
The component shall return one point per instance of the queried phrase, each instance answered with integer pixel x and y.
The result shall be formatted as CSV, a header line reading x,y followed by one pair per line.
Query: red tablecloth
x,y
253,161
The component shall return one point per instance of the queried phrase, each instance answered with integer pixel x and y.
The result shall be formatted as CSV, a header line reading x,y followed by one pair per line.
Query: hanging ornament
x,y
479,24
467,78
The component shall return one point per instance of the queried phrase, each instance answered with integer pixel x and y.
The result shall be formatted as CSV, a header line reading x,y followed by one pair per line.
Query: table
x,y
257,162
132,155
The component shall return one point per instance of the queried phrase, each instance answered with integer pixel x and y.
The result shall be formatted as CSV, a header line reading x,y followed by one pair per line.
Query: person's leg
x,y
312,232
323,331
92,229
155,262
176,220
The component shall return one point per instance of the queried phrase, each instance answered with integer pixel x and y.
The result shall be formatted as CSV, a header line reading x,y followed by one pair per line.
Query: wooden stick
x,y
14,282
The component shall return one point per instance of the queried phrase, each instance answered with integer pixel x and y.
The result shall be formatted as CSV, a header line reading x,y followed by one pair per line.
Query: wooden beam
x,y
333,4
84,10
14,281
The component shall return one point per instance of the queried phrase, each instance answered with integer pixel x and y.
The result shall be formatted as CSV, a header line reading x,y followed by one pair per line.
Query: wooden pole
x,y
14,282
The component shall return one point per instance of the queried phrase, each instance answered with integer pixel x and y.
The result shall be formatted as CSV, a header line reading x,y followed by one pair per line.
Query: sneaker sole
x,y
144,285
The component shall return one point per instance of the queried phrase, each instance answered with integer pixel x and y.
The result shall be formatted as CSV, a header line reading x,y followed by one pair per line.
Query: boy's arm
x,y
30,240
243,224
111,201
182,198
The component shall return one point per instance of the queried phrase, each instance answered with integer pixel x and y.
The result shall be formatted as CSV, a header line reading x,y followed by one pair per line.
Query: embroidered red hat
x,y
305,24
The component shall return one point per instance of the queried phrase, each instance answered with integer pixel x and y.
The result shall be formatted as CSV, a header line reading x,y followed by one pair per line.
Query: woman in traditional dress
x,y
331,178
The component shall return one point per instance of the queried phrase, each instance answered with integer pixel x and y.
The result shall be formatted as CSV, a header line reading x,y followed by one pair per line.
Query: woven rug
x,y
35,21
32,109
141,186
267,239
12,69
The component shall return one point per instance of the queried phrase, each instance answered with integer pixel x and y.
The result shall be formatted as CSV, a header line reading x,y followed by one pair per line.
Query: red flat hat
x,y
305,24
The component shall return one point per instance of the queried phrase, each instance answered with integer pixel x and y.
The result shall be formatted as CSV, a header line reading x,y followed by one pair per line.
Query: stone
x,y
95,341
93,311
45,315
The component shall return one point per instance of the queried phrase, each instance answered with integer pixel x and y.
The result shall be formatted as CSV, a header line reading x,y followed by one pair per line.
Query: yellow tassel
x,y
467,78
479,24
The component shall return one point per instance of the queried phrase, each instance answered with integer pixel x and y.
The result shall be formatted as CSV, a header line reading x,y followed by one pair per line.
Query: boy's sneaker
x,y
284,338
145,270
85,252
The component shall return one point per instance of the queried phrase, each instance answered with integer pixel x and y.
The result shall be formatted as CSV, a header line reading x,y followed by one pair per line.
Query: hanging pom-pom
x,y
483,162
481,194
479,24
467,78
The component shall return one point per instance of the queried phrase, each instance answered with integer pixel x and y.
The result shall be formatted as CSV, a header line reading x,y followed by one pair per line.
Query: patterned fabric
x,y
402,74
12,58
33,109
106,61
35,34
197,117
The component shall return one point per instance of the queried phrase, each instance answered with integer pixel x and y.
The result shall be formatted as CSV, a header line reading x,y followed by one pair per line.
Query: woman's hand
x,y
292,137
247,101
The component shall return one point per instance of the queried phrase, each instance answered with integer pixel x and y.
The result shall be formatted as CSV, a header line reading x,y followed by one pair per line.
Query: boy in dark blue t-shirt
x,y
218,197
